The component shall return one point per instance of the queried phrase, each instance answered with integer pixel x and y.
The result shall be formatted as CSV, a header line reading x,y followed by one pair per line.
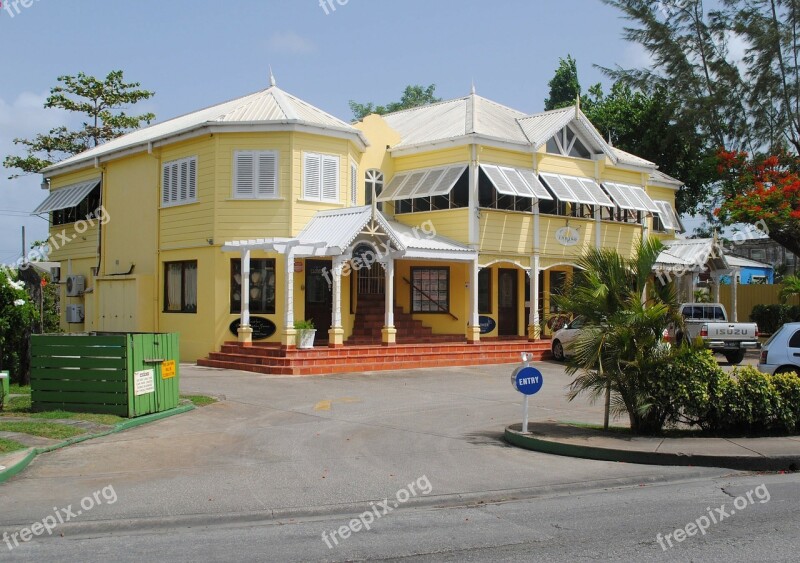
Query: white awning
x,y
66,197
572,189
630,197
515,181
668,216
425,182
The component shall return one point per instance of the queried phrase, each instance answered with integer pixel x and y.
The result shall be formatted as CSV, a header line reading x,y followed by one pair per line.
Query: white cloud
x,y
290,42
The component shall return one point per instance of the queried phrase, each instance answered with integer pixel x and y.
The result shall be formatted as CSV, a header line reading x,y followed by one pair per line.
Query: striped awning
x,y
425,182
66,197
572,189
520,182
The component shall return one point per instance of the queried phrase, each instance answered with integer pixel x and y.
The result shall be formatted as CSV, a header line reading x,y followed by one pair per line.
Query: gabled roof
x,y
658,177
270,107
739,262
470,115
691,255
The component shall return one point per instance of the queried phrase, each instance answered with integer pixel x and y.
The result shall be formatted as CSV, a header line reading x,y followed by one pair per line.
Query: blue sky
x,y
198,53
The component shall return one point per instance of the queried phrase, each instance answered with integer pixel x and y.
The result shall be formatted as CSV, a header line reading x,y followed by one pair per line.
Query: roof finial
x,y
272,82
472,91
578,101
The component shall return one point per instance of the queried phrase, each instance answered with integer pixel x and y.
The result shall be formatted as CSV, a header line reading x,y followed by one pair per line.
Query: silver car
x,y
781,353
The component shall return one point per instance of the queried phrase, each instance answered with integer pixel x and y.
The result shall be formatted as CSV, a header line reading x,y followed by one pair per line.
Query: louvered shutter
x,y
244,175
183,182
330,178
165,185
353,184
311,177
173,182
192,192
267,175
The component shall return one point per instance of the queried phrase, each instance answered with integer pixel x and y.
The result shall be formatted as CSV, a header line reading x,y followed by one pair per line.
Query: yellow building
x,y
449,222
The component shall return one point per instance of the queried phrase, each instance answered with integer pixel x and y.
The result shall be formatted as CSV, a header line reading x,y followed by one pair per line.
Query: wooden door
x,y
507,302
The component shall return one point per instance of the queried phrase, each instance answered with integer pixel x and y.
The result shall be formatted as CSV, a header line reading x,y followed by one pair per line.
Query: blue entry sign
x,y
527,380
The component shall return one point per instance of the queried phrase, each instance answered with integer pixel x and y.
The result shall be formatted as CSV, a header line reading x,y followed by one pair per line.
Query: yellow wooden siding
x,y
449,223
67,242
237,219
190,224
129,238
564,165
549,246
457,155
621,236
492,155
506,232
611,174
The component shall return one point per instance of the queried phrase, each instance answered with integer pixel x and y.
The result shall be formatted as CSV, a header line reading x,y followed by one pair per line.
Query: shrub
x,y
770,318
750,402
787,385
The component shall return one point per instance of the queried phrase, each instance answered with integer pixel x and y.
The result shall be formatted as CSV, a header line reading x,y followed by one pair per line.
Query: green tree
x,y
564,86
17,316
101,103
791,287
625,315
413,96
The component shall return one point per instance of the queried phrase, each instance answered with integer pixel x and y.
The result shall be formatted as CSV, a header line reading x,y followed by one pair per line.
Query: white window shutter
x,y
165,185
183,183
192,195
267,175
244,175
173,182
311,177
330,178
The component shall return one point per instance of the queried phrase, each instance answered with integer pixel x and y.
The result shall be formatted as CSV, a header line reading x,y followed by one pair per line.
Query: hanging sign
x,y
567,236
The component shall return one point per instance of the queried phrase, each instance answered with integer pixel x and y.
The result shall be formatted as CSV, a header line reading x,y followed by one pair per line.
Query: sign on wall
x,y
143,382
487,324
262,328
567,236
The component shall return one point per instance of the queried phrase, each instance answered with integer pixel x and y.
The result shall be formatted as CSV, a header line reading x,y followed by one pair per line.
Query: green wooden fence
x,y
125,374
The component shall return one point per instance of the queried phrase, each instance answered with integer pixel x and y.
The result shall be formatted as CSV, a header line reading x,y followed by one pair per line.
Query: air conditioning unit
x,y
75,286
74,313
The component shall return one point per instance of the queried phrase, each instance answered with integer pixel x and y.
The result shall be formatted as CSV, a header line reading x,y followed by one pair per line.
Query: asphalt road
x,y
281,459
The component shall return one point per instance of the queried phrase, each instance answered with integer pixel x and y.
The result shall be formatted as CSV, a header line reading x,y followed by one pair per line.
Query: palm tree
x,y
791,286
625,313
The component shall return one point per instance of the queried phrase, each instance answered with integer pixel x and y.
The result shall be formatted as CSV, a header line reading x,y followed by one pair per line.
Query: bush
x,y
750,402
787,385
770,318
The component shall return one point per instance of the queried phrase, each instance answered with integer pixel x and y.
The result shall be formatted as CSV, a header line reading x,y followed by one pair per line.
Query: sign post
x,y
528,381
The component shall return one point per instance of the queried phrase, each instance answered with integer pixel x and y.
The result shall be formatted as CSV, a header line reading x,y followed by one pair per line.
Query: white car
x,y
564,338
781,353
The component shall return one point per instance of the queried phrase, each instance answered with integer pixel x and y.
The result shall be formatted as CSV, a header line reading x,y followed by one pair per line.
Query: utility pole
x,y
24,252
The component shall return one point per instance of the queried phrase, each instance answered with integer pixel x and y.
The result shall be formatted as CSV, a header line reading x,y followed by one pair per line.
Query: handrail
x,y
431,299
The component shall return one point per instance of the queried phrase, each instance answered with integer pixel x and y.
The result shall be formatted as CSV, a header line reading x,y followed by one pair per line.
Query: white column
x,y
288,296
474,221
473,327
389,293
336,312
534,319
598,228
735,299
245,333
245,321
717,280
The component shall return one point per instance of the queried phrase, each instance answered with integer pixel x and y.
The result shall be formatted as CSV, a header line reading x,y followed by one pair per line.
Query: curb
x,y
741,463
15,469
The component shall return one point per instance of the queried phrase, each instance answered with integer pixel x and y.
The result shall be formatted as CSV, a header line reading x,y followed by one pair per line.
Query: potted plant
x,y
305,333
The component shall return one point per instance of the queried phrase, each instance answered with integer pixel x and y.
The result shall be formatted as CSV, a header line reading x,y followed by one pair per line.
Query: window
x,y
180,287
658,225
255,174
262,286
373,184
430,290
794,341
179,182
485,291
321,177
86,209
566,143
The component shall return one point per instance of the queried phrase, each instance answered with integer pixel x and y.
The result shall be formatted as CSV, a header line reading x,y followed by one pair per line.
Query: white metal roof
x,y
66,197
628,158
691,255
450,119
272,106
739,262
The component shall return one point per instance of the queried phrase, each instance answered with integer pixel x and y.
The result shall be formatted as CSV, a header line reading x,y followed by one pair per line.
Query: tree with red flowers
x,y
764,192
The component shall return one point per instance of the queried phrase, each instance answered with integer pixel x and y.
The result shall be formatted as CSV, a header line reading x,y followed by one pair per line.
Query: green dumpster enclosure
x,y
126,374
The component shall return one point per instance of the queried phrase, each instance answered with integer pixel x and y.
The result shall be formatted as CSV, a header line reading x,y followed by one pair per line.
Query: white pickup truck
x,y
709,322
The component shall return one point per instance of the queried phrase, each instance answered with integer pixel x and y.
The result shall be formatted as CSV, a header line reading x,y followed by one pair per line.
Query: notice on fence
x,y
143,382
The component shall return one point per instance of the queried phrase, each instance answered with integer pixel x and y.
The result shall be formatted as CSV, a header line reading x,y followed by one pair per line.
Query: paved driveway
x,y
312,445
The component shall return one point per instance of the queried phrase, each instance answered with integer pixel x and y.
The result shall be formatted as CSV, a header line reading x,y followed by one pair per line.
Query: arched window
x,y
373,184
